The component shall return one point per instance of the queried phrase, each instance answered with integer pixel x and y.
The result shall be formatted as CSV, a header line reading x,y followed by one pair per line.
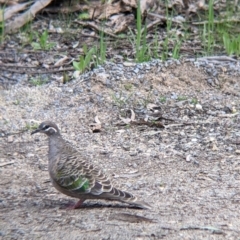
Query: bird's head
x,y
49,128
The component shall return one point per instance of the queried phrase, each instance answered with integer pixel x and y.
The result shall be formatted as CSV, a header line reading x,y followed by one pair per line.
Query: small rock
x,y
10,139
229,149
237,151
29,155
198,107
188,158
129,64
133,153
134,165
210,81
126,147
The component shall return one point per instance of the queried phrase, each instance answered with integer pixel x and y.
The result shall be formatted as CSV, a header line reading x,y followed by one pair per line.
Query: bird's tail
x,y
139,204
127,197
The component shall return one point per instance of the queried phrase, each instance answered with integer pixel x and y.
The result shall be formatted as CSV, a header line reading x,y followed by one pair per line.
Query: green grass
x,y
101,53
139,40
221,32
142,54
209,29
38,81
231,44
181,98
162,99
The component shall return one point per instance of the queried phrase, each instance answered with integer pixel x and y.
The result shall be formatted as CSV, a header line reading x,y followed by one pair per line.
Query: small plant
x,y
30,126
95,56
17,102
128,86
65,78
84,16
42,42
26,38
120,100
38,81
163,99
85,60
181,98
148,99
194,101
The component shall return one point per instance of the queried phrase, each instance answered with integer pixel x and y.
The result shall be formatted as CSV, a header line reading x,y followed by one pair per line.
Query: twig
x,y
5,164
90,35
228,115
207,228
94,26
14,133
217,21
152,24
217,58
38,72
163,18
177,125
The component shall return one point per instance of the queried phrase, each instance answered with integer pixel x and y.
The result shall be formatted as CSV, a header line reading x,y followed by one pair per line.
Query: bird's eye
x,y
45,127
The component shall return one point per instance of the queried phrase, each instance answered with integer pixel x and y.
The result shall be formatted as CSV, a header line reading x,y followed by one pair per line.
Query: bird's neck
x,y
55,145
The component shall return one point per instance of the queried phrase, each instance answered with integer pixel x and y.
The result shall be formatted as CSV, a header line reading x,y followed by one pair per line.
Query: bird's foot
x,y
77,205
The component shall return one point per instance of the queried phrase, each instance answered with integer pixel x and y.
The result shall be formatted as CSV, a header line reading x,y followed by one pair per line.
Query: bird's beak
x,y
35,131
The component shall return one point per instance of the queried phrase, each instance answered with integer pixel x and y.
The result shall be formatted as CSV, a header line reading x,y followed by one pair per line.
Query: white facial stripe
x,y
52,129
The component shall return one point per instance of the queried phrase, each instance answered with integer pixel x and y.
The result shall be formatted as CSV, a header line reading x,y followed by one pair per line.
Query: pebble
x,y
133,153
199,107
10,139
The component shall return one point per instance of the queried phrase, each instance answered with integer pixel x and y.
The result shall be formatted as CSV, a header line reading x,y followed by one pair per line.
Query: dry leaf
x,y
125,120
61,61
133,115
96,127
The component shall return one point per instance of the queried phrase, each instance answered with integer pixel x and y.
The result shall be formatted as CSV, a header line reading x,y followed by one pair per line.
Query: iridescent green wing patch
x,y
81,184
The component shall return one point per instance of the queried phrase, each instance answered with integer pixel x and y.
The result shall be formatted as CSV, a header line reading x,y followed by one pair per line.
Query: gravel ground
x,y
178,149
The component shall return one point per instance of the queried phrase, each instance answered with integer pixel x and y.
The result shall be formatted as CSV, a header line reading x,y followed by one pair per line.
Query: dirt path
x,y
188,171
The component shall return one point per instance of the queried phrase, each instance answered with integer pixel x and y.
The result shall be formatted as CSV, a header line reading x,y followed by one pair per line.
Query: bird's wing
x,y
76,175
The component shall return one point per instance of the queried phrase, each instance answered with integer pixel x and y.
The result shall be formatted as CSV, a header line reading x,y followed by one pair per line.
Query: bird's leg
x,y
77,205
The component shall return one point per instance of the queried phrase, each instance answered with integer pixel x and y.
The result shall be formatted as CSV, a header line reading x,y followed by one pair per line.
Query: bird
x,y
73,175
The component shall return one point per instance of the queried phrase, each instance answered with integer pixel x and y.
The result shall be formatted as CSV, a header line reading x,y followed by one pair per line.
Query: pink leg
x,y
77,205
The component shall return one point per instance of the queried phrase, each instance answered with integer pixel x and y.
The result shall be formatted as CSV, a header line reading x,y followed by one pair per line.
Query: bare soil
x,y
188,171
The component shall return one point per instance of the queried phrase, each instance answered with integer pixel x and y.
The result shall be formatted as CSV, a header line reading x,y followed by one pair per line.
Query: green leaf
x,y
83,15
76,66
